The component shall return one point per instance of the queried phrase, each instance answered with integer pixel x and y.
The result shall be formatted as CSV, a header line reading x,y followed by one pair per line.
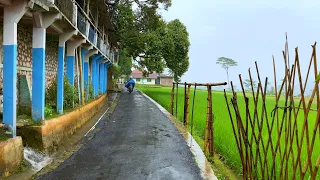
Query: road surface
x,y
138,142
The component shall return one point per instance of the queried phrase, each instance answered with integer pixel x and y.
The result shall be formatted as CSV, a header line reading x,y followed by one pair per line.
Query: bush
x,y
48,111
70,95
90,95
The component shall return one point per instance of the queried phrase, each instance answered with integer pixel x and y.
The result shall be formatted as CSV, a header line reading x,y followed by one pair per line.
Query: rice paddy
x,y
224,140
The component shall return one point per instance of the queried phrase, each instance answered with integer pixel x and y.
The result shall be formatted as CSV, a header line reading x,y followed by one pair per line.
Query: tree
x,y
226,63
151,42
125,63
248,86
175,48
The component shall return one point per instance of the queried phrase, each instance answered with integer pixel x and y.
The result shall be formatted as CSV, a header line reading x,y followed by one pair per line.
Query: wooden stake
x,y
209,131
172,99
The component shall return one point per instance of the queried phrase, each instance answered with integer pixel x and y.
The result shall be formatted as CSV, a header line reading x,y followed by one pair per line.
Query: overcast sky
x,y
246,31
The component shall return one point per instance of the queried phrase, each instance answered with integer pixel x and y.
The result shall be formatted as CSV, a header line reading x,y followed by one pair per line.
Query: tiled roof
x,y
138,74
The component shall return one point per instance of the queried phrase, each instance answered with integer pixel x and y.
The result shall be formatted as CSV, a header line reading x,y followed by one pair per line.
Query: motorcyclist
x,y
130,82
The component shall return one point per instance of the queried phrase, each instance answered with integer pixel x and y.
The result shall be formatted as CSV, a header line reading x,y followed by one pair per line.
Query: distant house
x,y
164,80
139,79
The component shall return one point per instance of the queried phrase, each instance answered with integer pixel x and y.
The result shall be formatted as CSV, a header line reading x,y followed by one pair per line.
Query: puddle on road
x,y
203,164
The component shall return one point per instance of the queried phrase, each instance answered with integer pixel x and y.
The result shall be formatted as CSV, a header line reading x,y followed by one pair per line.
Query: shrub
x,y
70,95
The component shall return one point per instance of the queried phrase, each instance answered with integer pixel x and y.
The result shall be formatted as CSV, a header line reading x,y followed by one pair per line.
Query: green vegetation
x,y
71,96
3,135
147,39
224,140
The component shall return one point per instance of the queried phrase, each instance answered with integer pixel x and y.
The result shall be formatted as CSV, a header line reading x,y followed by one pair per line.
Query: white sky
x,y
246,31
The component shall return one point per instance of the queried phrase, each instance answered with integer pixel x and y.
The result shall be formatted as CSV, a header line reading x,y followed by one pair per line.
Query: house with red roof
x,y
138,77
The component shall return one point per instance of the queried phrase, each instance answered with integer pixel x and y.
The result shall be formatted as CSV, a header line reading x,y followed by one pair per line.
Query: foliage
x,y
125,63
318,78
48,111
247,85
224,141
226,63
70,95
90,94
176,47
148,39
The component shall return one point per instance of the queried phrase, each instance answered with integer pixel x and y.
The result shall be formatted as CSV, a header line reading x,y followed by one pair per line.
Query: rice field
x,y
224,140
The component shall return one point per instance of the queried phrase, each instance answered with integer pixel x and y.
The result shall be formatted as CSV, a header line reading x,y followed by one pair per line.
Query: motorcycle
x,y
130,88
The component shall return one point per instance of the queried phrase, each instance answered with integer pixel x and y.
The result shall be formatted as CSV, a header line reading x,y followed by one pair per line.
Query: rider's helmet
x,y
130,77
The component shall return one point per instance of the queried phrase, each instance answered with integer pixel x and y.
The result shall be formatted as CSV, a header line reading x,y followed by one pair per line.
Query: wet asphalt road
x,y
138,142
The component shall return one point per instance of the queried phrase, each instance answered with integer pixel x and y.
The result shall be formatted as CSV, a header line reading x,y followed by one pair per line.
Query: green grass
x,y
224,140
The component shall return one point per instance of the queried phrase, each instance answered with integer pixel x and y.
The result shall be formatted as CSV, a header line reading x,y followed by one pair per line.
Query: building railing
x,y
91,35
73,11
99,44
81,23
66,7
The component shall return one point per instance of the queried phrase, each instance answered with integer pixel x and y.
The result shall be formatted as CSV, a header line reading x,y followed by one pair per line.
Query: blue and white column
x,y
86,71
60,75
101,77
83,56
41,22
38,73
71,52
95,77
11,16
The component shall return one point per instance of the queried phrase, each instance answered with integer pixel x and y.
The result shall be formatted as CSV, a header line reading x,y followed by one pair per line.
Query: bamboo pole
x,y
77,64
81,77
187,107
177,95
172,100
203,84
185,104
209,132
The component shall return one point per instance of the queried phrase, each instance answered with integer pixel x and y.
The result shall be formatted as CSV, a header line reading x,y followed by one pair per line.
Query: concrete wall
x,y
166,81
11,154
145,81
47,137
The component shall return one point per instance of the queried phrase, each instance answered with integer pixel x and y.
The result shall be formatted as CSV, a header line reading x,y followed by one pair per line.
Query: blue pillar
x,y
97,77
107,76
83,56
38,73
104,78
60,78
101,78
86,79
95,70
11,16
10,76
70,69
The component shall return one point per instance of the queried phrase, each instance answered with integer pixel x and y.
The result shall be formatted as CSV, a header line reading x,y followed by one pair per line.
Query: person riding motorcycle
x,y
130,82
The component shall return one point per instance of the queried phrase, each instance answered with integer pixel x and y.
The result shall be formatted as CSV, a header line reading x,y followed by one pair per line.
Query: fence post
x,y
209,126
172,98
186,119
185,103
177,95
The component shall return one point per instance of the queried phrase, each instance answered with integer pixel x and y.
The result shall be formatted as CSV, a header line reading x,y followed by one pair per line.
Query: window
x,y
148,80
138,79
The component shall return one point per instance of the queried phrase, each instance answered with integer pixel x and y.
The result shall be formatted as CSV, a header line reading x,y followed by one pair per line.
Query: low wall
x,y
11,154
47,137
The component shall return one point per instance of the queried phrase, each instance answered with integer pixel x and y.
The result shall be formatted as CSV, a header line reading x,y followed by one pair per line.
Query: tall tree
x,y
175,48
148,39
226,63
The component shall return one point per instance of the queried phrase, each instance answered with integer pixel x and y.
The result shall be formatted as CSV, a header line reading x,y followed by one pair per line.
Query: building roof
x,y
138,74
165,76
